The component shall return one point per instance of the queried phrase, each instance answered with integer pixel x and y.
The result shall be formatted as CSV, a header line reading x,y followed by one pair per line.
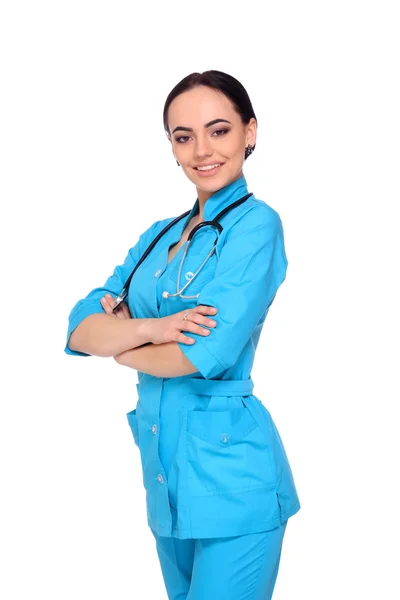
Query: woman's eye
x,y
183,138
221,131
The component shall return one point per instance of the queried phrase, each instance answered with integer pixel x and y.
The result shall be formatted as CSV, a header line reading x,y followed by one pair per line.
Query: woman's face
x,y
205,129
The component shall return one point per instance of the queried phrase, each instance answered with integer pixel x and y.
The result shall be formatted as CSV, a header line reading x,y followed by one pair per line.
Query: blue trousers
x,y
243,567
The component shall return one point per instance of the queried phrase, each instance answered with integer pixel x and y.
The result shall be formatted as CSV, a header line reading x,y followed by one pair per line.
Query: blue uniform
x,y
243,567
213,461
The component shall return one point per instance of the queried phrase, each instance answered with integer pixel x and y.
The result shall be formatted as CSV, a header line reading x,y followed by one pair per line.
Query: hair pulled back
x,y
219,81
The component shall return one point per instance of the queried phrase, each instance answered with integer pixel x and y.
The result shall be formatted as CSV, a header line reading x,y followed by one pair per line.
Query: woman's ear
x,y
251,133
170,139
172,148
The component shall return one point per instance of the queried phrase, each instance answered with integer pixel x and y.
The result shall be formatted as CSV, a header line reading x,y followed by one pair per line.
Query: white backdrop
x,y
86,167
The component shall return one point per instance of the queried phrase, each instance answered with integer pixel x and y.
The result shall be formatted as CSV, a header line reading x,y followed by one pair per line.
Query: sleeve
x,y
252,265
113,285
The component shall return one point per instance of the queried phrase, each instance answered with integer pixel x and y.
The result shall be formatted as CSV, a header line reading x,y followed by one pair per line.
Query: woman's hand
x,y
168,329
122,312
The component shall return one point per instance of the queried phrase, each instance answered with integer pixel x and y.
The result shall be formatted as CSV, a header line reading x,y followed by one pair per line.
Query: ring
x,y
185,315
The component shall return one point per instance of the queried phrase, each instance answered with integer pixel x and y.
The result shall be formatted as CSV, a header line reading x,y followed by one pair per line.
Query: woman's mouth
x,y
208,171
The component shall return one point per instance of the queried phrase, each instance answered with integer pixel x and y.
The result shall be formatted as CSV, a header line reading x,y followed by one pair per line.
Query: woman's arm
x,y
94,333
105,335
251,267
164,360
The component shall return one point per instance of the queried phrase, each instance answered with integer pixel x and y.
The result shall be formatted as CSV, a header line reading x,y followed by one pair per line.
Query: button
x,y
224,438
154,428
157,273
189,275
160,478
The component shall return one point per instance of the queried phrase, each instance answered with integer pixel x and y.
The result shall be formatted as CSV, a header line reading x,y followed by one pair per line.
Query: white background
x,y
86,167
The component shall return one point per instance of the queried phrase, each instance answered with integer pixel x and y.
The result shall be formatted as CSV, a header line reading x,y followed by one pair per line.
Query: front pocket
x,y
226,452
132,420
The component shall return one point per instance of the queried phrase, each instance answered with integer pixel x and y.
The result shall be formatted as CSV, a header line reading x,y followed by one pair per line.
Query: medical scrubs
x,y
213,462
243,567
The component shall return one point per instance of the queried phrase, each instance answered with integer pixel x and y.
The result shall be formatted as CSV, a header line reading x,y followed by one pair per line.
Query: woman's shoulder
x,y
255,214
260,209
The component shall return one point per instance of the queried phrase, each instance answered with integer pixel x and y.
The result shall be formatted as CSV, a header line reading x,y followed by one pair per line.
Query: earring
x,y
178,163
248,150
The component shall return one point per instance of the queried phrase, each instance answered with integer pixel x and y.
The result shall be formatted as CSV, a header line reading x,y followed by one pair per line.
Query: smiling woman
x,y
209,153
215,470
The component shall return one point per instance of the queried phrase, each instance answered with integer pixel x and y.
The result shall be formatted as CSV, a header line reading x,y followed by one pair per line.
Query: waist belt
x,y
213,387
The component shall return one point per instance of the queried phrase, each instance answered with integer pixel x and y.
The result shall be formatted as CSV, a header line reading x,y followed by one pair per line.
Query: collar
x,y
220,199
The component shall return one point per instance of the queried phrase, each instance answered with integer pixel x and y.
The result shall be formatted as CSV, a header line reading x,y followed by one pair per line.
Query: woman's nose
x,y
203,147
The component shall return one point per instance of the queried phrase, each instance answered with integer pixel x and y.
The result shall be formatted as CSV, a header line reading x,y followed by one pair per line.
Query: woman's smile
x,y
207,171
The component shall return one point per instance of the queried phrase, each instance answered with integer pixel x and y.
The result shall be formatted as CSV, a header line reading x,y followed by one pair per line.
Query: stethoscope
x,y
218,229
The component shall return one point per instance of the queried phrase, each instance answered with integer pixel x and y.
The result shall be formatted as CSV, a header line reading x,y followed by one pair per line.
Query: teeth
x,y
208,168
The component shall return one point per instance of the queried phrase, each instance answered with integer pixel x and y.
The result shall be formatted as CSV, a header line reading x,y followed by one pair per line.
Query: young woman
x,y
219,486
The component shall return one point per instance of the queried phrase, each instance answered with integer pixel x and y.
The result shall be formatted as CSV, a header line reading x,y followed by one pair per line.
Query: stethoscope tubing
x,y
179,291
213,223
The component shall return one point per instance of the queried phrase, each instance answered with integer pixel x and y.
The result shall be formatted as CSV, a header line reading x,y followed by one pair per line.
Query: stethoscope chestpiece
x,y
219,228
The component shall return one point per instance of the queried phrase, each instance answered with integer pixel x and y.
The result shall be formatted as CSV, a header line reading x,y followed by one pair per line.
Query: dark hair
x,y
217,80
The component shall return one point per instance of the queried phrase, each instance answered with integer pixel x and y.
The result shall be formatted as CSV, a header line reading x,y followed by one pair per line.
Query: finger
x,y
200,330
119,313
111,302
185,340
205,310
122,311
193,327
201,320
125,310
110,299
106,306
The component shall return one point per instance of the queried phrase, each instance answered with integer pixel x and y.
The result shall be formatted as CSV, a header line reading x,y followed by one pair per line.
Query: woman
x,y
219,487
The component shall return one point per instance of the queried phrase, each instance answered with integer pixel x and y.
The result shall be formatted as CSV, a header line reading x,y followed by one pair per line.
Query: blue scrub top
x,y
213,462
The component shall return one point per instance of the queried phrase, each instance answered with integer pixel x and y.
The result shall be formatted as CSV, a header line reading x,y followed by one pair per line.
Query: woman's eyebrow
x,y
206,125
